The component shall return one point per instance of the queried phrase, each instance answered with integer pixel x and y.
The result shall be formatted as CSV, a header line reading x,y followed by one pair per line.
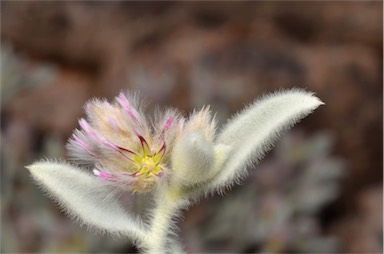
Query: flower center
x,y
149,165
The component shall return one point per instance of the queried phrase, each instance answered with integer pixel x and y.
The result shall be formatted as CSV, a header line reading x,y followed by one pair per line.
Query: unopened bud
x,y
193,158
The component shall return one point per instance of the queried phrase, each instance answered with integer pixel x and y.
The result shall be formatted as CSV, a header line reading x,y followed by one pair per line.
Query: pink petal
x,y
122,99
168,123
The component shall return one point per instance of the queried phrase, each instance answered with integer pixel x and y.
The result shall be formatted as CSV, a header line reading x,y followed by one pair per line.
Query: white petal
x,y
85,197
253,132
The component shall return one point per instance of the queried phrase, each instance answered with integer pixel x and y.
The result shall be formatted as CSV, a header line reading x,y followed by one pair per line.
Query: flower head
x,y
120,144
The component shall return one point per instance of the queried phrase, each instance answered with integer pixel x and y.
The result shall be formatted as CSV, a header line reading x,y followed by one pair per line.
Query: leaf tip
x,y
317,101
33,167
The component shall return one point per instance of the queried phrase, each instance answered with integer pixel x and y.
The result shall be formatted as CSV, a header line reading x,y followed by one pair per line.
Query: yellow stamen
x,y
148,165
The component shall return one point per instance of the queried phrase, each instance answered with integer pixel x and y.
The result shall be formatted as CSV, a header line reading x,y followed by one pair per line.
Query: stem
x,y
168,204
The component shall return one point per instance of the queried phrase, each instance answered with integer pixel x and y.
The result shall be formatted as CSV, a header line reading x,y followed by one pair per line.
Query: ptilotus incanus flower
x,y
121,146
176,160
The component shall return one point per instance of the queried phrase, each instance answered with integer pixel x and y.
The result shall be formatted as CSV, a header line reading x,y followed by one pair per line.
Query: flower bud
x,y
193,158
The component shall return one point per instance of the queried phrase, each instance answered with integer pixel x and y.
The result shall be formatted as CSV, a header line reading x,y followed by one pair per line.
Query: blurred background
x,y
319,190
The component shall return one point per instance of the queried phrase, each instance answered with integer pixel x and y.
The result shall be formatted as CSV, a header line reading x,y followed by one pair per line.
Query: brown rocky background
x,y
190,54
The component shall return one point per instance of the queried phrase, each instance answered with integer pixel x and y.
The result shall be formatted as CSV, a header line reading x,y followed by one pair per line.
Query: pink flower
x,y
120,144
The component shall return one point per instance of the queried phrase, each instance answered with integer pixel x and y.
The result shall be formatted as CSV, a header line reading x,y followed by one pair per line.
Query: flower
x,y
176,159
121,146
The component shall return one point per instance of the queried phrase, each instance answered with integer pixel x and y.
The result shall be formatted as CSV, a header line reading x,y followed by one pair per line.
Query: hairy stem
x,y
168,204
